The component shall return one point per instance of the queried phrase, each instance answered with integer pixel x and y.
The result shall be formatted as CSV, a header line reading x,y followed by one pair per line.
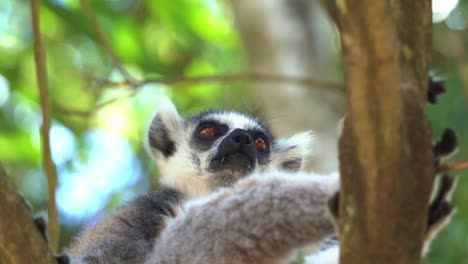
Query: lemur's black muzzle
x,y
236,151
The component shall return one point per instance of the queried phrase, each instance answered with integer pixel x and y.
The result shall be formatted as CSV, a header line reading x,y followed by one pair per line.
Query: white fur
x,y
175,172
298,145
235,120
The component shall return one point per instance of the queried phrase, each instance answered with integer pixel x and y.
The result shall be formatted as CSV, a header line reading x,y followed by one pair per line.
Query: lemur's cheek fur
x,y
290,153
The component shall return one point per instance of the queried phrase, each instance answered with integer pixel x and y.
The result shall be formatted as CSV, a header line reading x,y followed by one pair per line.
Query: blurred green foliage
x,y
157,38
151,39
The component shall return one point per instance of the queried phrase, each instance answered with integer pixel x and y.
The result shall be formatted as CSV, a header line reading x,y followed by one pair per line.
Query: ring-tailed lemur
x,y
195,157
263,218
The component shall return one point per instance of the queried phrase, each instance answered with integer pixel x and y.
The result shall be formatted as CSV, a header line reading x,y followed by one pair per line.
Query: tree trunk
x,y
20,240
385,152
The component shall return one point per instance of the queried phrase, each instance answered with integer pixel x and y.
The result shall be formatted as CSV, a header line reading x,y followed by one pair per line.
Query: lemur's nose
x,y
241,137
236,151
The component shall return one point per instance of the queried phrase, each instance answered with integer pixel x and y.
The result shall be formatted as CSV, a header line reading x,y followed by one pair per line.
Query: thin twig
x,y
49,167
104,41
88,113
459,165
252,76
326,86
96,84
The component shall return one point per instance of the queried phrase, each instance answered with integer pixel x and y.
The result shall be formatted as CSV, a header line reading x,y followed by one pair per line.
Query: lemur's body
x,y
196,157
262,218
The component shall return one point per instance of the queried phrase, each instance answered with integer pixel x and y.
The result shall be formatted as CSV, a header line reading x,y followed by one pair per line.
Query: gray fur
x,y
127,236
261,219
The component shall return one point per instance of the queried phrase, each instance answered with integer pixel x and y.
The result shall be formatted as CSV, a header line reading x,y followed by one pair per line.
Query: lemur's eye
x,y
260,143
208,131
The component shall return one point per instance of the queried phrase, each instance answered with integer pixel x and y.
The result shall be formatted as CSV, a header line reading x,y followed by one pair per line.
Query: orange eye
x,y
208,132
260,143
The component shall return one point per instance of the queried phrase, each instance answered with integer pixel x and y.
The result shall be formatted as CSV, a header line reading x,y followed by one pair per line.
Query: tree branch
x,y
49,167
180,81
104,41
385,150
456,166
20,240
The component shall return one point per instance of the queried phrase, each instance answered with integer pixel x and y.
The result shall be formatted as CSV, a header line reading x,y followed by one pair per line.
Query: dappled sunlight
x,y
441,9
109,167
458,19
118,117
34,186
86,56
14,30
4,90
63,144
26,114
76,199
9,41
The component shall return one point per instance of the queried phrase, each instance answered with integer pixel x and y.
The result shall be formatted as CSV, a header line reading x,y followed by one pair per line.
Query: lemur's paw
x,y
446,146
62,259
435,89
41,225
334,205
440,208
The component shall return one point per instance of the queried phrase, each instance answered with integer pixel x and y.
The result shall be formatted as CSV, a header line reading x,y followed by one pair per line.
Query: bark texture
x,y
385,151
20,240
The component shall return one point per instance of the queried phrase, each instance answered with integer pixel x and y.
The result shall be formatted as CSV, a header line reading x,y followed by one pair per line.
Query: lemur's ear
x,y
164,129
291,153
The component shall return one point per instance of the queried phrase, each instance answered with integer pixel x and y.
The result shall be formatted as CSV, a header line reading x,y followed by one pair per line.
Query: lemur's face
x,y
228,145
216,148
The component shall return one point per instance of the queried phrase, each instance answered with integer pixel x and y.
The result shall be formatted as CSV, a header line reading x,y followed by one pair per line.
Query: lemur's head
x,y
216,148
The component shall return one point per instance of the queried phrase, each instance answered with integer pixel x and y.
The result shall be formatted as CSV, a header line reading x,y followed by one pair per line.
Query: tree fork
x,y
385,150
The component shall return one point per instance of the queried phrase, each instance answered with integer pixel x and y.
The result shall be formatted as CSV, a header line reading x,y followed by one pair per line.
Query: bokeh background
x,y
100,155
